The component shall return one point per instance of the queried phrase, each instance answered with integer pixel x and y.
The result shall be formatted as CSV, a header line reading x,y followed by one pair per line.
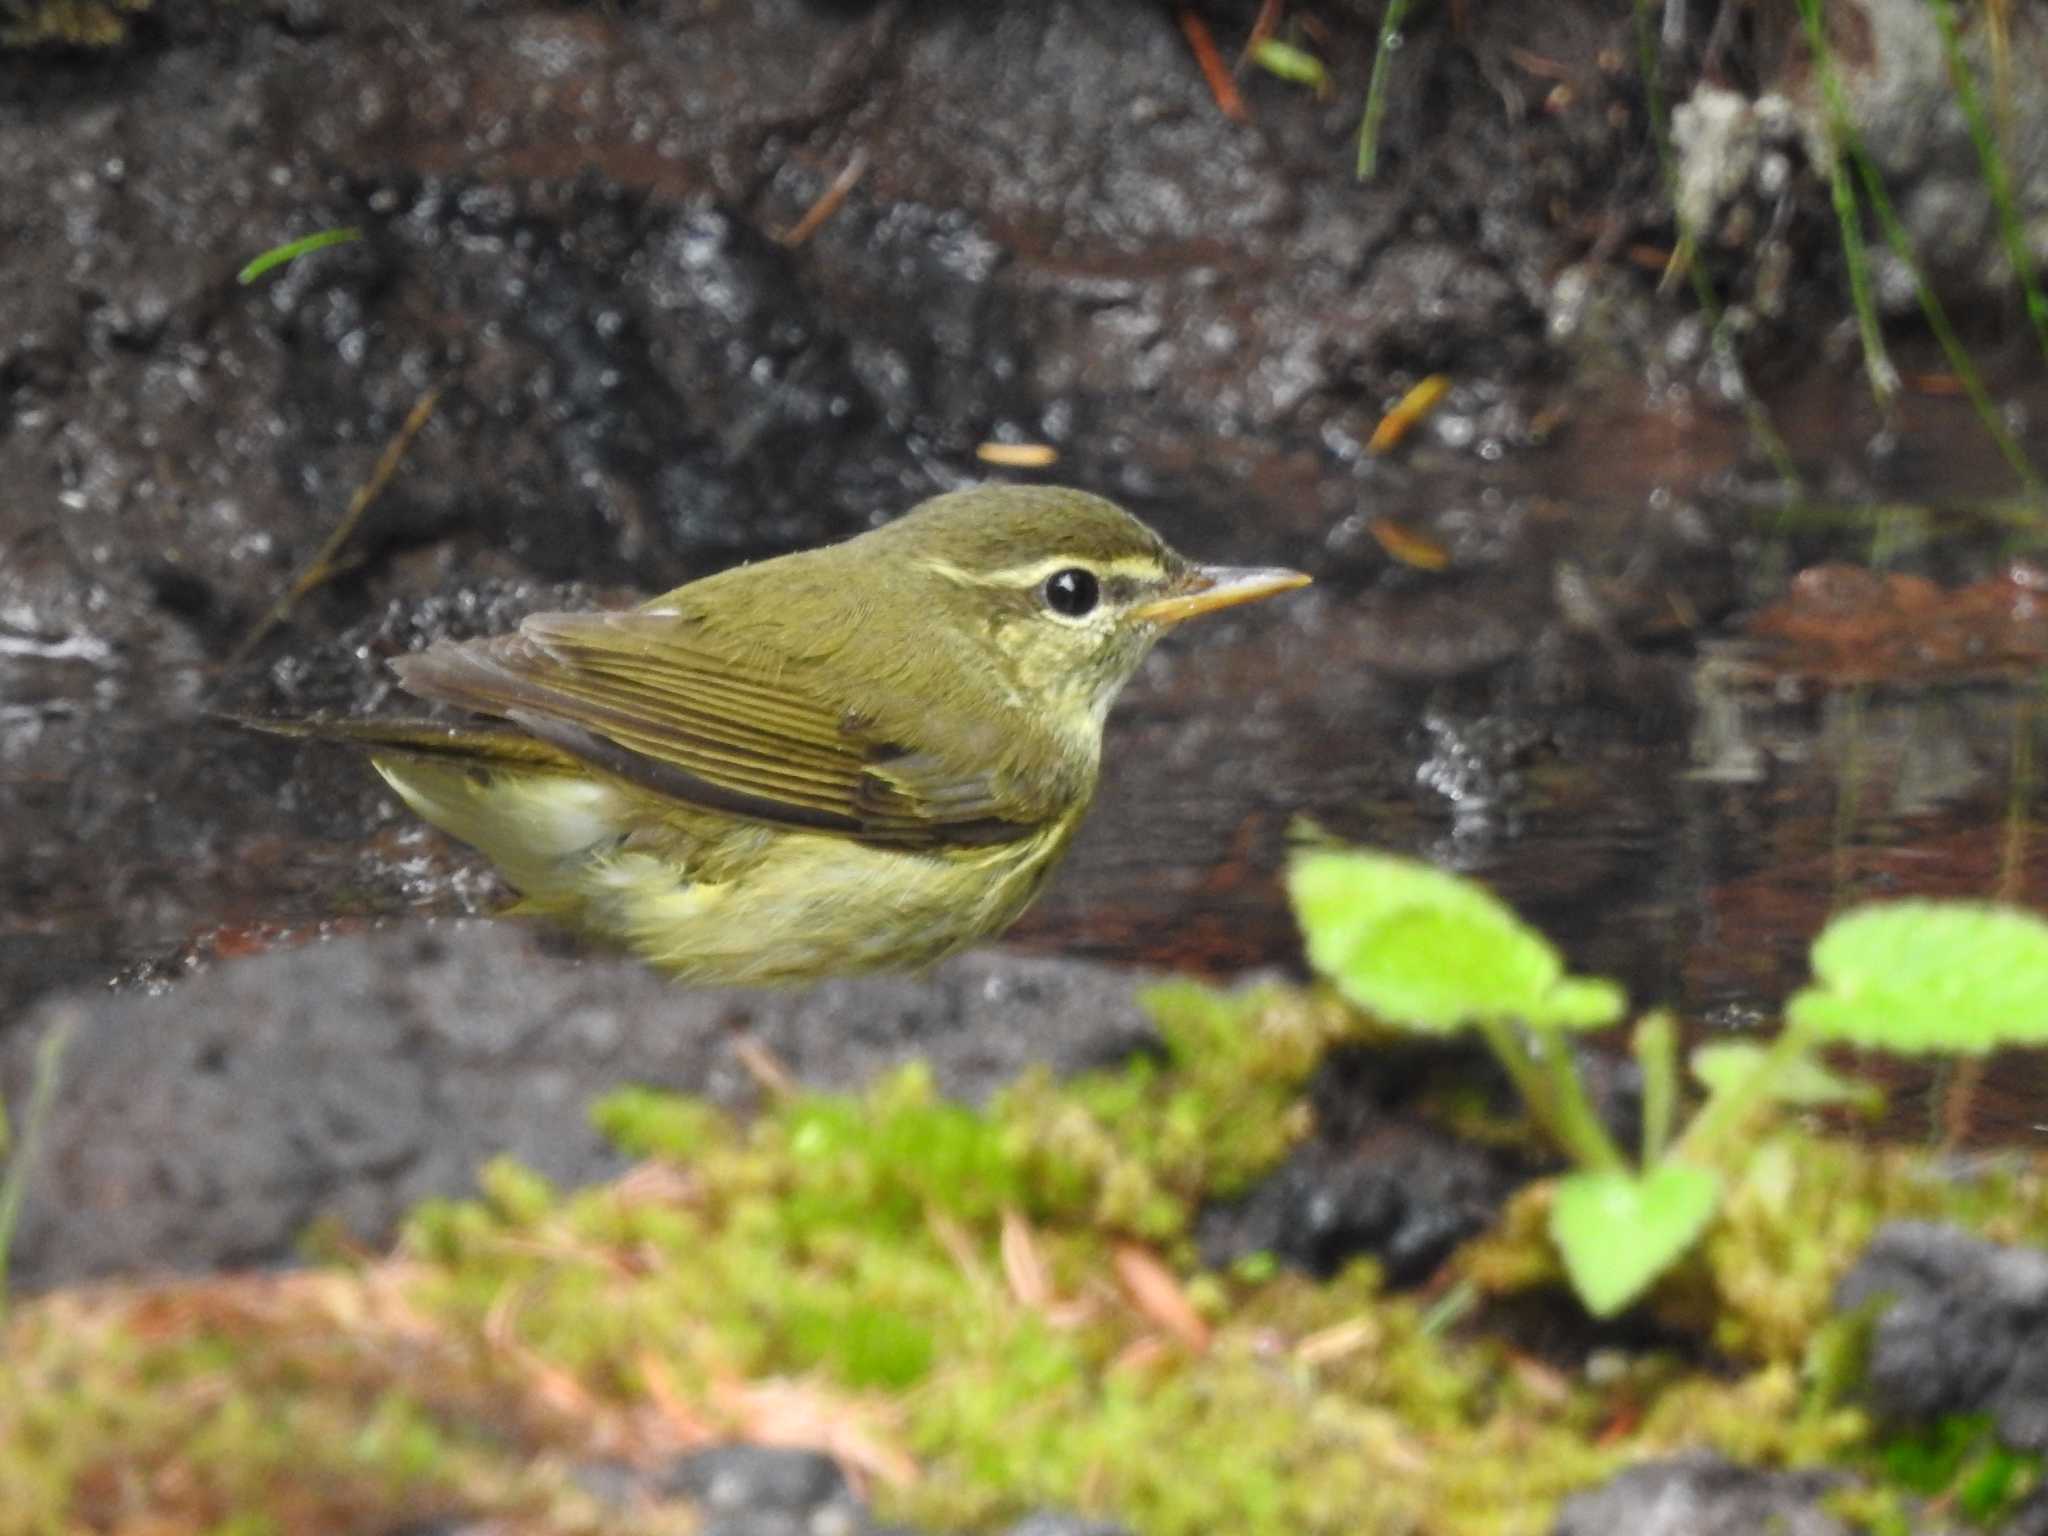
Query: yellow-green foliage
x,y
267,1404
66,23
1796,1215
1134,1150
1806,1205
953,1299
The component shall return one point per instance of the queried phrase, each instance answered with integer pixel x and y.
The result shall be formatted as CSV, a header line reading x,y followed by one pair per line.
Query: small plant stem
x,y
1877,365
1996,174
1448,1308
1761,428
21,1158
322,566
1584,1136
1264,25
1959,361
1727,1112
1849,796
1656,1051
1507,1047
1554,1096
1848,147
1959,1093
1877,362
2012,862
1376,92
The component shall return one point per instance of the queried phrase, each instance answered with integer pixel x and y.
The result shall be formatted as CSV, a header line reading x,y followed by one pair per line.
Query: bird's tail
x,y
479,745
534,810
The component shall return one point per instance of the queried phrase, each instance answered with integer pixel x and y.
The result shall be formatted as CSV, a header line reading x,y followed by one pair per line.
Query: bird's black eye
x,y
1072,592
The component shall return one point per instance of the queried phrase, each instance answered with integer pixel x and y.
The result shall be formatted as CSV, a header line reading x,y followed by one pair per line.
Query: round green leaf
x,y
1432,951
1725,1065
1929,976
1617,1233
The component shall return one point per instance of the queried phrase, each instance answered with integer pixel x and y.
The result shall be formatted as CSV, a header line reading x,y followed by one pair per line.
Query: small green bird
x,y
856,758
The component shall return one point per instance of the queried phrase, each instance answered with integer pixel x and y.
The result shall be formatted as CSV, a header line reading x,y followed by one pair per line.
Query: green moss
x,y
1797,1213
1136,1149
1961,1461
1805,1206
926,1286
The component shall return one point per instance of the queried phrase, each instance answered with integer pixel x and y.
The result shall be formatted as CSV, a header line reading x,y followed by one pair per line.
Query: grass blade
x,y
279,255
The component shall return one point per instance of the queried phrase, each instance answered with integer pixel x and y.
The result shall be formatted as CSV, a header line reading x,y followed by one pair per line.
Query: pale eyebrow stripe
x,y
1139,566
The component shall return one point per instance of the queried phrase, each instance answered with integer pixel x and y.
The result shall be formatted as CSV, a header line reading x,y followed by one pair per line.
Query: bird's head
x,y
1071,589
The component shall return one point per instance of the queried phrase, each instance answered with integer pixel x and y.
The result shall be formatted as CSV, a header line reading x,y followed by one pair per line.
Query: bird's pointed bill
x,y
1210,587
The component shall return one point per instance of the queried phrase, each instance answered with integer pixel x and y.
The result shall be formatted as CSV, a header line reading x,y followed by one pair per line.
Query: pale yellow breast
x,y
816,906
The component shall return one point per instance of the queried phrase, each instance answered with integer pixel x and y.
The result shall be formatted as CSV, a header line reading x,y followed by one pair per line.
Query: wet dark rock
x,y
572,225
1751,166
1703,1496
732,1476
570,221
1378,1180
757,1490
1961,1328
1383,1177
1047,1523
2029,1517
211,1124
746,1490
1406,1197
765,1490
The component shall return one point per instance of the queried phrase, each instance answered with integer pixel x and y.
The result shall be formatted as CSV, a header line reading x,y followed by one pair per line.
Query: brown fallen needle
x,y
1408,411
1214,70
1018,455
321,567
1263,26
1158,1294
828,201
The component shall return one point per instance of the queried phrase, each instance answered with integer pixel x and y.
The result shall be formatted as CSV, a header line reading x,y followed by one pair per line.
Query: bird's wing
x,y
648,697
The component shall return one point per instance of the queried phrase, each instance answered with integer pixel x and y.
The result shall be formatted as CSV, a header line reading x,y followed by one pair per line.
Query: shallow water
x,y
1680,797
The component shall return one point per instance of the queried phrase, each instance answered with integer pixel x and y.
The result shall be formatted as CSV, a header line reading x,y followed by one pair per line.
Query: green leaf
x,y
1929,976
292,250
1618,1233
1726,1065
1431,951
1292,63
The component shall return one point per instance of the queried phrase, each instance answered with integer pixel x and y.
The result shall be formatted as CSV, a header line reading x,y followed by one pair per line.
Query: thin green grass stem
x,y
1724,1115
1656,1052
1877,363
1959,360
1447,1309
1997,176
1761,428
1584,1135
21,1154
1848,146
1376,92
1849,794
1561,1111
279,255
